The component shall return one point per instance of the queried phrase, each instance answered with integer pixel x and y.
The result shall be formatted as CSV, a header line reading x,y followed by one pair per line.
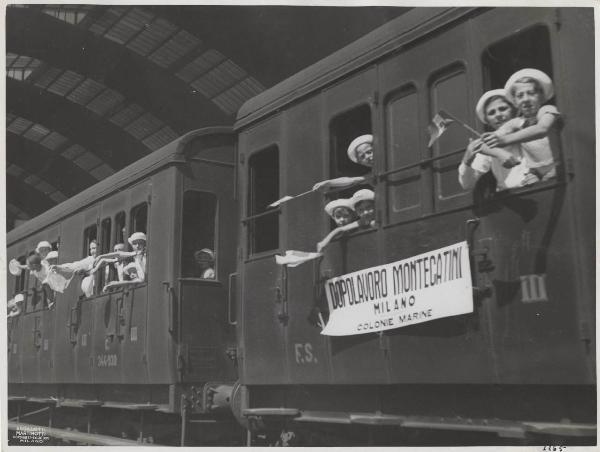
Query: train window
x,y
120,228
104,247
342,130
263,189
529,48
403,149
139,218
449,92
90,234
198,233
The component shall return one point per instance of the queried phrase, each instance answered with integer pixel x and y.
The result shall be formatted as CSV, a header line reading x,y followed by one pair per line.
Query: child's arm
x,y
532,132
116,254
120,283
337,231
338,183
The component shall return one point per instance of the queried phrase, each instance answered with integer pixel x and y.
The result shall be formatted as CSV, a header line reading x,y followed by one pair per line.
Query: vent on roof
x,y
175,48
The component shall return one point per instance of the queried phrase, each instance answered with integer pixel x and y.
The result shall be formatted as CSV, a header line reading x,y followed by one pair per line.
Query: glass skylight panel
x,y
129,25
36,132
160,138
70,14
58,197
102,172
200,65
19,125
87,161
152,37
73,151
65,83
144,126
14,170
32,180
45,187
110,16
86,91
105,101
127,115
47,77
53,141
174,49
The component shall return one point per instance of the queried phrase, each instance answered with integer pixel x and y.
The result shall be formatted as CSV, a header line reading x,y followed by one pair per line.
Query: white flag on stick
x,y
438,126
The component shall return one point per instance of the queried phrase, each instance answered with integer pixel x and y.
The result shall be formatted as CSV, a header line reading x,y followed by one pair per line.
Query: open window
x,y
529,48
120,228
104,274
139,219
263,189
198,235
343,129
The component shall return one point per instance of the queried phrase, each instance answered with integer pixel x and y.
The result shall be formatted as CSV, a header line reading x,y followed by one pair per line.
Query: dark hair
x,y
34,257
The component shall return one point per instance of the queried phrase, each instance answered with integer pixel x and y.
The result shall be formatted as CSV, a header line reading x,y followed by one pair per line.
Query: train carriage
x,y
161,346
522,363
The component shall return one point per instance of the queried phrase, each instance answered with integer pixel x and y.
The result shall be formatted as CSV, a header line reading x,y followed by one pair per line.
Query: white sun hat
x,y
356,143
541,77
483,100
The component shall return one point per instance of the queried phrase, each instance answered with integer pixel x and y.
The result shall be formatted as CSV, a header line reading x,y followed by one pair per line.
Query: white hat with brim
x,y
19,298
362,195
52,255
336,203
205,251
129,267
543,79
43,244
136,236
483,100
356,143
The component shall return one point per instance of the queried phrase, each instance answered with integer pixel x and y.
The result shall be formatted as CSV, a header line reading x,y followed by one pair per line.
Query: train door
x,y
538,321
263,350
349,112
425,208
305,140
206,251
105,308
134,306
81,315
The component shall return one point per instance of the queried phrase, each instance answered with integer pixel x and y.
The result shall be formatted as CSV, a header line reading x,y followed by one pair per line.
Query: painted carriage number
x,y
304,354
106,361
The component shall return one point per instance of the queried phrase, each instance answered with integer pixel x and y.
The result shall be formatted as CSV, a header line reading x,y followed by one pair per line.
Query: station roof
x,y
91,89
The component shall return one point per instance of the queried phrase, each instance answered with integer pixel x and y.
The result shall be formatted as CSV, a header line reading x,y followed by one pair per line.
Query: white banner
x,y
429,286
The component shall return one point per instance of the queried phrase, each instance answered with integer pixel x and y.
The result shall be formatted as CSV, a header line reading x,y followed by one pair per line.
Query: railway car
x,y
141,362
516,368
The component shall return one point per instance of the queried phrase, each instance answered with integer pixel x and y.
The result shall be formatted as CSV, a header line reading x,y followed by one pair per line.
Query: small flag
x,y
294,258
279,201
438,125
58,282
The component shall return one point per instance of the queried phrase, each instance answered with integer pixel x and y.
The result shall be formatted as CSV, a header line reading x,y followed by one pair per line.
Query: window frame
x,y
252,216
